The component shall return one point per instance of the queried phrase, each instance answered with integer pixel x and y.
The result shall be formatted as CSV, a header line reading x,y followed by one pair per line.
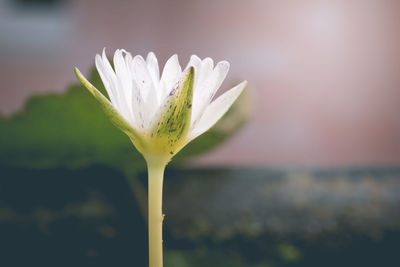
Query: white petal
x,y
170,75
216,110
119,63
108,77
141,75
136,99
106,63
138,107
207,88
219,74
104,77
124,85
207,66
147,91
152,66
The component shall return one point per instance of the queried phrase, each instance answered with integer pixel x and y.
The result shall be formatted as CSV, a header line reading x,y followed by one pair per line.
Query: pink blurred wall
x,y
323,75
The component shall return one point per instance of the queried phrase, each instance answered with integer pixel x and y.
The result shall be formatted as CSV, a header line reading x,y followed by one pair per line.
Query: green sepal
x,y
173,120
112,114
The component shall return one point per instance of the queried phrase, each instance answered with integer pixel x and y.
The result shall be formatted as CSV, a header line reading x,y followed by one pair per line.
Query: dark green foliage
x,y
87,217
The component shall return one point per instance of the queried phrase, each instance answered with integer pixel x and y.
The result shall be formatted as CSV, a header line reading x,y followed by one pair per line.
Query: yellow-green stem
x,y
156,175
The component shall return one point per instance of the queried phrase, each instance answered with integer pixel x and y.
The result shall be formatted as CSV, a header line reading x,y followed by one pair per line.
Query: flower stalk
x,y
155,215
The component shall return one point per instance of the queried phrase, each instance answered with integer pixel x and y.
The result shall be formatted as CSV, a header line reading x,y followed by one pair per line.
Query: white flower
x,y
162,113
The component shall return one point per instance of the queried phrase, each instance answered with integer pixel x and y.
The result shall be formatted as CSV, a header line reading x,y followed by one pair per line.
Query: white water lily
x,y
161,113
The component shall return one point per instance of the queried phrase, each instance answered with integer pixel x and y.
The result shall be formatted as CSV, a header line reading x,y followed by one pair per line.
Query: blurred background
x,y
304,171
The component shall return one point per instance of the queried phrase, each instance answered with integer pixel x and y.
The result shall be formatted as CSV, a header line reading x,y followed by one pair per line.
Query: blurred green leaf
x,y
67,129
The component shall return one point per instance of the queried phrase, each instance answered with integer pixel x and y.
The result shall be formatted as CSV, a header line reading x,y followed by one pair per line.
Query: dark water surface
x,y
218,217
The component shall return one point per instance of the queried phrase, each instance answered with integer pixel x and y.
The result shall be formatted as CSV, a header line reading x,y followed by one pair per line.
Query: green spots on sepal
x,y
172,122
112,114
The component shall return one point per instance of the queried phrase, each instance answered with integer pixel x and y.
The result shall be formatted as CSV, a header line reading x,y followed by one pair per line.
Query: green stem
x,y
156,175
